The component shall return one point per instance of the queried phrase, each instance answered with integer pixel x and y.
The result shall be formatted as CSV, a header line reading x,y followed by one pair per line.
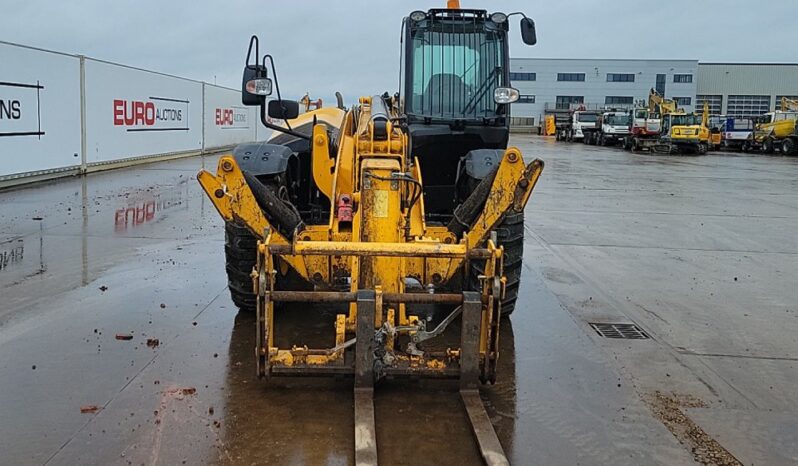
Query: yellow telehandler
x,y
403,200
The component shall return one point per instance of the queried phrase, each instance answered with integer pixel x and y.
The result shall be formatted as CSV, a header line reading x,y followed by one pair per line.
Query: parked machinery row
x,y
661,126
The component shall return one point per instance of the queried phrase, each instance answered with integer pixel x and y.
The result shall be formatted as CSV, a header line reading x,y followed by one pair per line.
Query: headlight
x,y
505,95
498,17
418,16
261,86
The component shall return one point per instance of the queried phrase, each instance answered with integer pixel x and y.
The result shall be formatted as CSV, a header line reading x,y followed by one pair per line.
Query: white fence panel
x,y
39,110
134,113
227,121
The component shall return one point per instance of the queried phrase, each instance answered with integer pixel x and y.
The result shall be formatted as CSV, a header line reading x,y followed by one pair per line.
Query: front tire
x,y
788,147
510,234
240,250
767,146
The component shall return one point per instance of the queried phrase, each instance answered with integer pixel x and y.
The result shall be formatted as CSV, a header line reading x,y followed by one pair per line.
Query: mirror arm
x,y
253,40
276,84
266,123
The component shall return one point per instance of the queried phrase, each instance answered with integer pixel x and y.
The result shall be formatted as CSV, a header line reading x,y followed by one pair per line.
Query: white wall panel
x,y
39,110
134,113
227,121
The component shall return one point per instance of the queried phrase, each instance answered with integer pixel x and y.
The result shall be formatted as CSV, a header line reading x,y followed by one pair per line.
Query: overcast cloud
x,y
353,45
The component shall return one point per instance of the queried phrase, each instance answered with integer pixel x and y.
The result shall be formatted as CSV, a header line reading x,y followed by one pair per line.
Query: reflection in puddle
x,y
150,206
11,253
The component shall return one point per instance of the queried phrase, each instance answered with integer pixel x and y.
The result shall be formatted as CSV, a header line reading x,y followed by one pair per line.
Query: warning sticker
x,y
380,204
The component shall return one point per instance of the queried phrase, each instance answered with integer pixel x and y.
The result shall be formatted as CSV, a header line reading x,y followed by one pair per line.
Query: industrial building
x,y
745,89
733,89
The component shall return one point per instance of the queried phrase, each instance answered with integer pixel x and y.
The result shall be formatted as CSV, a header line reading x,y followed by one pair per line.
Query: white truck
x,y
580,125
613,126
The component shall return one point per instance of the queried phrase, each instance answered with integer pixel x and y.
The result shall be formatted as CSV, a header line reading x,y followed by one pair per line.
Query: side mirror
x,y
528,34
283,109
255,86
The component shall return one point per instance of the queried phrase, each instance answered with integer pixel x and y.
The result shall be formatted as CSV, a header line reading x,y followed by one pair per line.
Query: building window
x,y
683,101
523,76
747,105
682,78
620,78
715,103
788,97
526,99
564,102
661,84
570,76
618,100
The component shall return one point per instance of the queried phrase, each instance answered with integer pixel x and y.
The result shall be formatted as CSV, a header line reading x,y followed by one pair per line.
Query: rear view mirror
x,y
283,109
255,74
528,34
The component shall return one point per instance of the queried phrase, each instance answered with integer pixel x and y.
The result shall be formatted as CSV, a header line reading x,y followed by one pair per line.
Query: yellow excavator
x,y
680,132
777,130
400,203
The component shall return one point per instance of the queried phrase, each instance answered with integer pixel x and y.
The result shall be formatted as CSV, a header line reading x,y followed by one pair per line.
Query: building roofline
x,y
605,59
662,60
746,64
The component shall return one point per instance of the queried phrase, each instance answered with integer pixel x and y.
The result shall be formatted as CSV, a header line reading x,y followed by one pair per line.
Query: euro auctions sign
x,y
232,118
152,114
20,109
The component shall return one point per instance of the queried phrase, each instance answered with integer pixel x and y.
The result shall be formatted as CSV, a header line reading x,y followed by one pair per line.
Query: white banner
x,y
227,121
39,110
129,113
134,113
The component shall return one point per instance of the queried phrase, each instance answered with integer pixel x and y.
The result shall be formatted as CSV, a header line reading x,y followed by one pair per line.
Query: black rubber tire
x,y
240,250
767,146
510,234
240,246
788,147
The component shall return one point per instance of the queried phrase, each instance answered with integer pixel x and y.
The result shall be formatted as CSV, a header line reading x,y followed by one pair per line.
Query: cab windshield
x,y
586,117
685,120
617,120
455,70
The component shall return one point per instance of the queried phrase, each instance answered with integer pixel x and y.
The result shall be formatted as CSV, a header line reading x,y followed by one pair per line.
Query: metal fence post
x,y
83,143
204,117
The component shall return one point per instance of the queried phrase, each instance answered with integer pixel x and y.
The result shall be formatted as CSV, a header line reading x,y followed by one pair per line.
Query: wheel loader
x,y
400,202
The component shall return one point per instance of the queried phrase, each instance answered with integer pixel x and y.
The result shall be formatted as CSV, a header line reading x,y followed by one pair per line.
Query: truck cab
x,y
613,127
583,122
734,132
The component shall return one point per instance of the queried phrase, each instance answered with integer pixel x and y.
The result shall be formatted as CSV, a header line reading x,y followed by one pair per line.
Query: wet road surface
x,y
699,252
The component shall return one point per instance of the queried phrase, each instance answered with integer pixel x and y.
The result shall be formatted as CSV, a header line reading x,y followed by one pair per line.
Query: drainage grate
x,y
624,331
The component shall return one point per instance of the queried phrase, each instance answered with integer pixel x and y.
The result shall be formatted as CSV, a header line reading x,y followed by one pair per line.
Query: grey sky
x,y
353,45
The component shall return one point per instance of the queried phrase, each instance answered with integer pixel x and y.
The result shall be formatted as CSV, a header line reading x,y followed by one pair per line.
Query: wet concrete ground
x,y
700,252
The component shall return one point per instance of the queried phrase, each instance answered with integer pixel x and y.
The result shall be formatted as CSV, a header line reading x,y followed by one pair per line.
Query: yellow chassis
x,y
386,242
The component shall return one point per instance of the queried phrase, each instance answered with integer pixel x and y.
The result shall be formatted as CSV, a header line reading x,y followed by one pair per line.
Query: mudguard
x,y
260,158
480,162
